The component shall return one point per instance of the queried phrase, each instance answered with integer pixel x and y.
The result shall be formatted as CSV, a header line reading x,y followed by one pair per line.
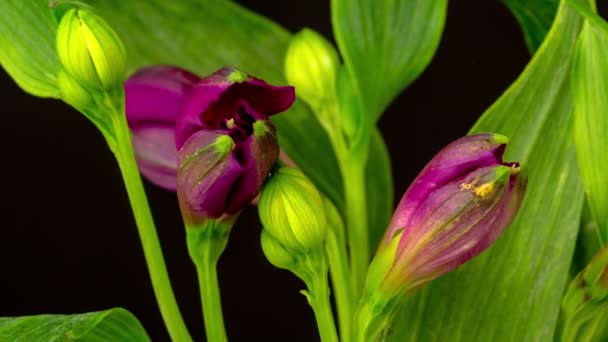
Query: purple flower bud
x,y
153,99
226,143
455,209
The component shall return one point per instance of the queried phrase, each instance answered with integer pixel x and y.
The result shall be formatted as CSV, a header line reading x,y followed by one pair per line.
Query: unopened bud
x,y
291,210
90,50
73,92
311,65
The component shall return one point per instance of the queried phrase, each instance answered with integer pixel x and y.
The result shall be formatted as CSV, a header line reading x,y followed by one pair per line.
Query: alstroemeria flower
x,y
226,144
154,97
455,209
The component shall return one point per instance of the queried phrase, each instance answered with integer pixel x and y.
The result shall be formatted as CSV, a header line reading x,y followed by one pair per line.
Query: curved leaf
x,y
27,41
590,92
110,325
535,18
512,292
386,44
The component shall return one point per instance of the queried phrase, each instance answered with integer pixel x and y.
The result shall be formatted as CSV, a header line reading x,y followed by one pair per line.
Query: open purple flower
x,y
208,138
455,209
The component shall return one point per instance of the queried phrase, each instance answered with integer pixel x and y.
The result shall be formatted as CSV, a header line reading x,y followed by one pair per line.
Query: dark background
x,y
68,241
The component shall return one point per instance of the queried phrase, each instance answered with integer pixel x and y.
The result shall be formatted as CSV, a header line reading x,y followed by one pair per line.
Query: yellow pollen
x,y
230,123
485,190
467,186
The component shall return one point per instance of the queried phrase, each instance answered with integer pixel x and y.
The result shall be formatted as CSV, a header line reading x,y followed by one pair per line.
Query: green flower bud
x,y
276,253
73,92
291,210
311,65
90,50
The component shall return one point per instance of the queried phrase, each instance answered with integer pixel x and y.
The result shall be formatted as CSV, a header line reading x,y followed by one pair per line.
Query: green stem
x,y
153,254
212,306
353,175
319,301
206,243
340,277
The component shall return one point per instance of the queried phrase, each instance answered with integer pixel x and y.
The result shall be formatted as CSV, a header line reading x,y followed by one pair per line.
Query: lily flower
x,y
456,208
209,138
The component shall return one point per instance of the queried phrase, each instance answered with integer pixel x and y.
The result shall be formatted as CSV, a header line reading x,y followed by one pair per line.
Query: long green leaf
x,y
513,291
535,18
110,325
386,44
590,93
27,45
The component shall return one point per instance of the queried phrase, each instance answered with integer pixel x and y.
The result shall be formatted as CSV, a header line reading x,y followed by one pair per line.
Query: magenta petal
x,y
153,99
258,155
452,162
155,94
217,98
206,177
156,155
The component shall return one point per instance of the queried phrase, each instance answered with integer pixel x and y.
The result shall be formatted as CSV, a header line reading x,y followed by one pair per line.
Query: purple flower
x,y
208,138
456,208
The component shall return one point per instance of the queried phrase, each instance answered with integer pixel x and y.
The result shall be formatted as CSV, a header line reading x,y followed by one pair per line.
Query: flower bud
x,y
311,64
226,144
73,92
276,253
585,304
90,50
455,209
292,212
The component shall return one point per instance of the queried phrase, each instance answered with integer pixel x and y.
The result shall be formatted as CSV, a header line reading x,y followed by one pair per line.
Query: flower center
x,y
240,125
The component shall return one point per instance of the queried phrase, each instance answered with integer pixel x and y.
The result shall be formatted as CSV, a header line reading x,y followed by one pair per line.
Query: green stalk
x,y
206,243
353,176
123,150
212,306
340,277
318,298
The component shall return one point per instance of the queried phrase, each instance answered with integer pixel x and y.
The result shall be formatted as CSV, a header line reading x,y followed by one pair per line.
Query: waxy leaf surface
x,y
512,292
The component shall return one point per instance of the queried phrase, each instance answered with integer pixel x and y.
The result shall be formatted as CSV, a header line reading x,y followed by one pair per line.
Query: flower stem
x,y
153,254
206,243
318,298
212,306
340,277
353,175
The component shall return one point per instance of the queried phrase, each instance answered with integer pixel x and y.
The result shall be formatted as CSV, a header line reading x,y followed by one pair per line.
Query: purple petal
x,y
155,94
217,98
452,162
206,178
153,99
156,155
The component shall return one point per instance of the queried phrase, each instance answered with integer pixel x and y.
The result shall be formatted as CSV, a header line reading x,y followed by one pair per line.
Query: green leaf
x,y
386,44
379,189
512,292
535,18
590,93
110,325
27,45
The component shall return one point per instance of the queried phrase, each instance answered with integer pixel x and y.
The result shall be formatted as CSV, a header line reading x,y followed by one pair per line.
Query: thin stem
x,y
153,254
352,161
206,243
340,277
212,306
319,301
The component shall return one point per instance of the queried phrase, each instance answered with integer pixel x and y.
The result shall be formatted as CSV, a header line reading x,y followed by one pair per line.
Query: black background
x,y
68,241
